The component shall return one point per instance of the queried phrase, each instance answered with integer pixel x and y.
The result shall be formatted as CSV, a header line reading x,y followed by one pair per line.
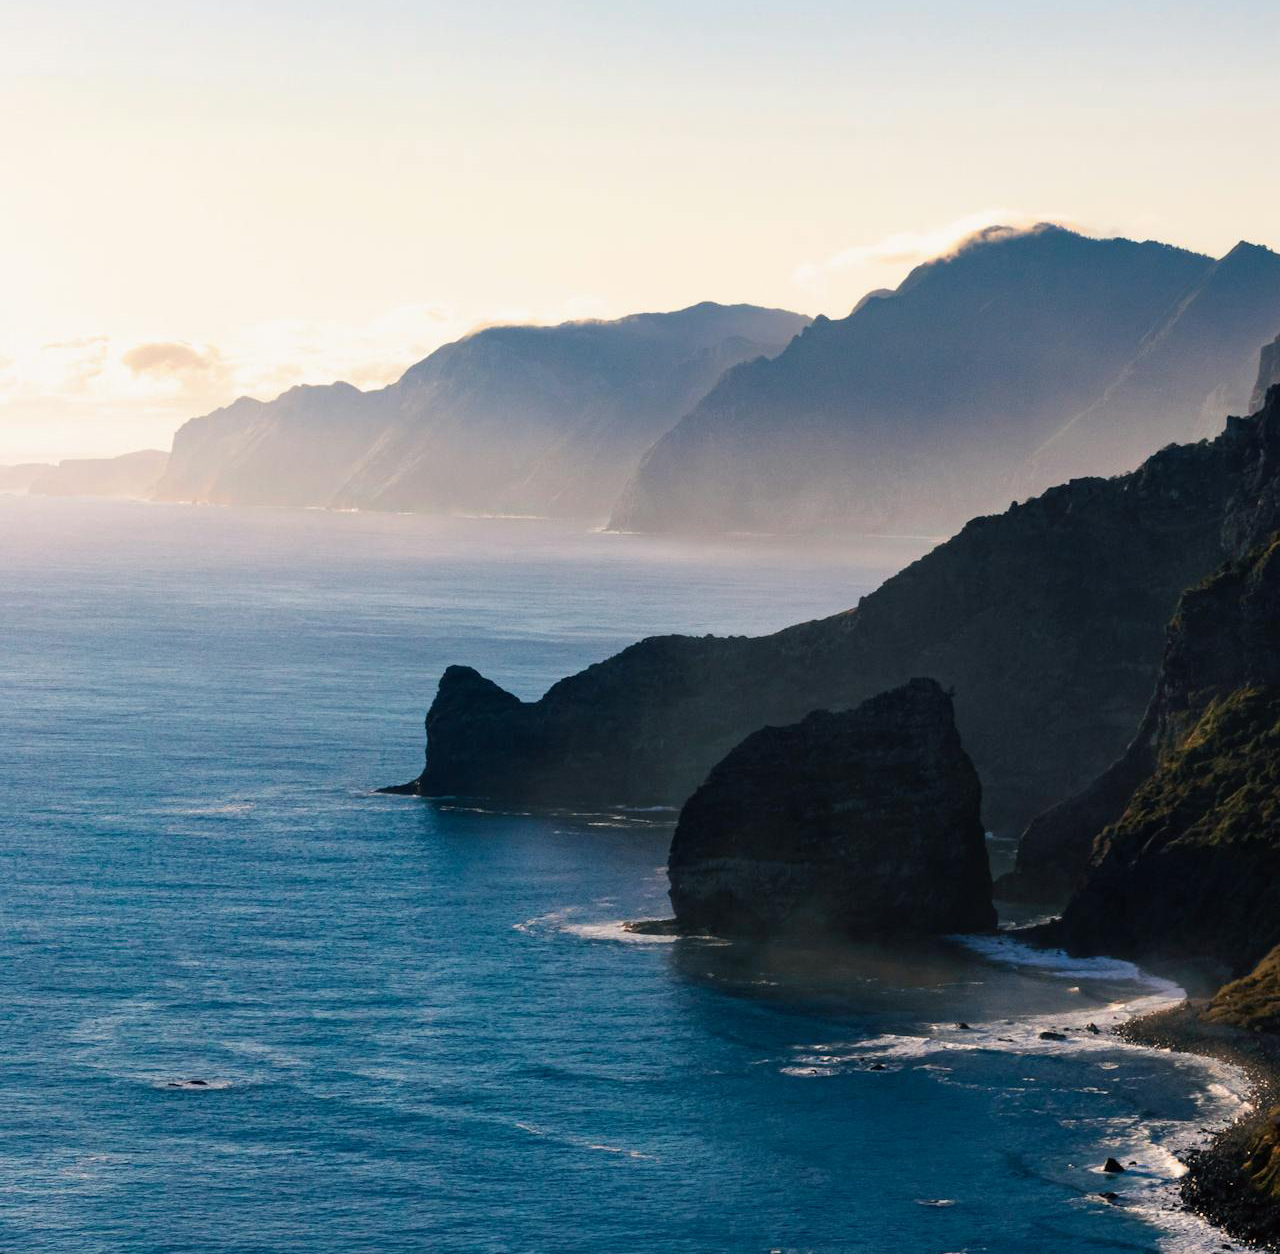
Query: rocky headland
x,y
854,824
131,475
1047,621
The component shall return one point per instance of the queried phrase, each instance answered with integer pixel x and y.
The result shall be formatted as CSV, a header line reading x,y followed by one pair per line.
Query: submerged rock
x,y
859,823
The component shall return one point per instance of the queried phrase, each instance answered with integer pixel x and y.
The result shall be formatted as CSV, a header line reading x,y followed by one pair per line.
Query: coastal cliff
x,y
1219,664
131,475
545,420
1047,621
1191,869
856,824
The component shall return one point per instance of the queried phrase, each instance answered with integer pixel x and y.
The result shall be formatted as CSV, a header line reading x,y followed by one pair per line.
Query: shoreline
x,y
1217,1184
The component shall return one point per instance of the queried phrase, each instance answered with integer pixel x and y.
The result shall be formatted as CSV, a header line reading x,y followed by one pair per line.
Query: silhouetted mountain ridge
x,y
509,419
1021,360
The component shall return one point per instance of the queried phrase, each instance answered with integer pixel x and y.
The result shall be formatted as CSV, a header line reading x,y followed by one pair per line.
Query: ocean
x,y
249,1005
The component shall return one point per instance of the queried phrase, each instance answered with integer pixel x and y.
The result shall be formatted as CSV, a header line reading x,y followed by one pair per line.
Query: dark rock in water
x,y
1093,1028
1110,1197
877,1066
853,824
1048,621
1222,640
964,1027
1112,1166
654,927
1052,1036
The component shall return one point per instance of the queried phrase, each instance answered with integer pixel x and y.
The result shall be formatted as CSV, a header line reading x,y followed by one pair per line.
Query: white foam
x,y
581,1143
564,921
617,930
1009,951
1156,1148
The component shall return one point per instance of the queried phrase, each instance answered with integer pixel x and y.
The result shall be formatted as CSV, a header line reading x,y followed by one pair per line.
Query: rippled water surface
x,y
420,1029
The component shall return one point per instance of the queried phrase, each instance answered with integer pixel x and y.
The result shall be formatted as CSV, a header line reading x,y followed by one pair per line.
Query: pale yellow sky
x,y
201,200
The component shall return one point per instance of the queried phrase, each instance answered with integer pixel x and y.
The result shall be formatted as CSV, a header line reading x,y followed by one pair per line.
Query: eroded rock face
x,y
1191,869
1223,638
854,824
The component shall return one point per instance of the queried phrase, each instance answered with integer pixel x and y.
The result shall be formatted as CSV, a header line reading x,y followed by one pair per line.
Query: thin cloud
x,y
910,248
171,358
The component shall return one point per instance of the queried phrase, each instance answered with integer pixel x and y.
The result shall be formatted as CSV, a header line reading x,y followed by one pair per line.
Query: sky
x,y
204,200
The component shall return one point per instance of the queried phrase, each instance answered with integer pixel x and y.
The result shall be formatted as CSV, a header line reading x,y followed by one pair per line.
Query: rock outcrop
x,y
1047,621
1268,374
1220,654
1022,360
1253,1001
852,824
131,475
508,420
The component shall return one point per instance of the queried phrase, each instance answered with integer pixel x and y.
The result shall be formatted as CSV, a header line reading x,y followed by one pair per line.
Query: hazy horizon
x,y
208,204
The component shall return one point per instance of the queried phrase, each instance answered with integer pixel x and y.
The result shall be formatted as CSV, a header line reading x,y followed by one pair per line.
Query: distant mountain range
x,y
1022,360
130,475
509,420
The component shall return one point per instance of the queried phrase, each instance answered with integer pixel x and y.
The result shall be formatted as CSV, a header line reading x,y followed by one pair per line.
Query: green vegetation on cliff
x,y
1253,1001
1191,870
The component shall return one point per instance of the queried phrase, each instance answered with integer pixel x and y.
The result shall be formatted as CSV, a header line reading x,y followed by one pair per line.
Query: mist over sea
x,y
419,1027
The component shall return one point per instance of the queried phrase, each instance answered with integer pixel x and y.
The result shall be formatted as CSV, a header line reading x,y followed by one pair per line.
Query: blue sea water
x,y
421,1028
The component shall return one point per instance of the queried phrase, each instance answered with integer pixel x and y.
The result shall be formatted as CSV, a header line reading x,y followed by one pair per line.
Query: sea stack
x,y
855,824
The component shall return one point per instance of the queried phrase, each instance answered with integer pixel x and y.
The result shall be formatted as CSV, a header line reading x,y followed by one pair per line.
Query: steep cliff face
x,y
295,450
1047,621
517,419
129,475
1191,869
1268,374
1021,361
853,824
1205,661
